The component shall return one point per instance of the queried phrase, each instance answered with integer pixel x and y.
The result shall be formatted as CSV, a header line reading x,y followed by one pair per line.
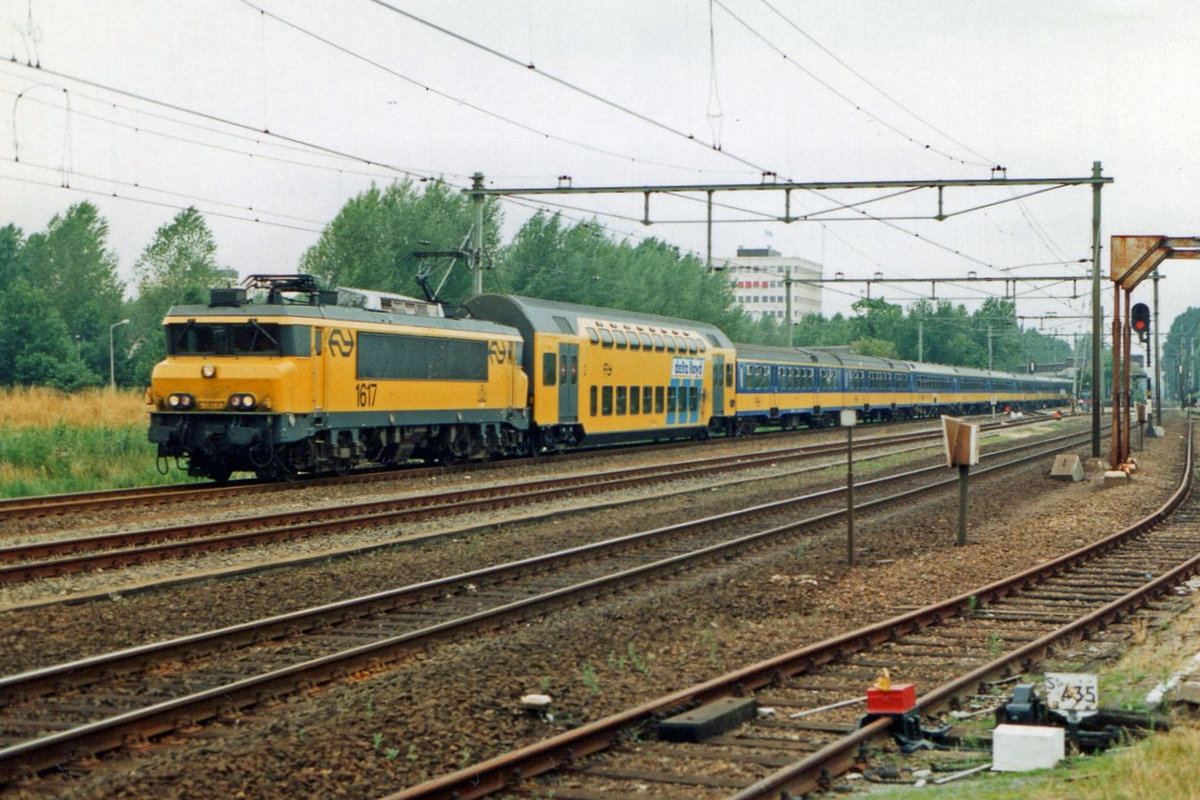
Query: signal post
x,y
1134,258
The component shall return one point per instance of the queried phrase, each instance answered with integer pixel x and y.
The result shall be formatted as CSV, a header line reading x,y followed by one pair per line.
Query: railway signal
x,y
1140,319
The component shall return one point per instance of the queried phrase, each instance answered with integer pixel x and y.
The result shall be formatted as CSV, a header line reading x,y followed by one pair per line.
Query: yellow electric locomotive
x,y
301,383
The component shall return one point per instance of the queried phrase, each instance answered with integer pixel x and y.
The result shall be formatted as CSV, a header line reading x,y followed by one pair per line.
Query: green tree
x,y
77,273
12,243
178,267
370,243
1181,358
35,345
580,263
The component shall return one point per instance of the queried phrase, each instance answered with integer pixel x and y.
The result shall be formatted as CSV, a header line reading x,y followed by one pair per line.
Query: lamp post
x,y
112,372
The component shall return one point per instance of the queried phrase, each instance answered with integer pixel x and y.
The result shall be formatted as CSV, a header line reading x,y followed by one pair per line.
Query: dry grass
x,y
52,442
39,407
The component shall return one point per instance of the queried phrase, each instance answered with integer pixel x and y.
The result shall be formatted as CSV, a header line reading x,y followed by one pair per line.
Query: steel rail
x,y
135,547
155,720
507,770
106,499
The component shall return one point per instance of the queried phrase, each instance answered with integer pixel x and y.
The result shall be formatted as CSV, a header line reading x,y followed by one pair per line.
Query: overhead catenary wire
x,y
142,129
158,204
326,149
372,162
574,87
507,120
186,196
983,160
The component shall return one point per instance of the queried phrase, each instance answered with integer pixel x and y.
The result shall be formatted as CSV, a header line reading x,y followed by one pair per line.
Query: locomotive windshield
x,y
224,339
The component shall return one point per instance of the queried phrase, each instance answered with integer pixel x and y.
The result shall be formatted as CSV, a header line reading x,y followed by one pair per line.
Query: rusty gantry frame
x,y
1133,259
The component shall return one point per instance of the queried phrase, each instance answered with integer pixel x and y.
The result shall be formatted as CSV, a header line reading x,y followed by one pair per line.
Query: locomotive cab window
x,y
251,338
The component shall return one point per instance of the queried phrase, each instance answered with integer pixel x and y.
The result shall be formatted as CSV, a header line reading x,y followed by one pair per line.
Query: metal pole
x,y
1126,377
1097,313
787,282
112,364
1114,447
1158,387
709,226
477,235
963,469
850,494
920,338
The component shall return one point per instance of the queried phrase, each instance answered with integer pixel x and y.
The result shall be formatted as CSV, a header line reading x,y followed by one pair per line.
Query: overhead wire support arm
x,y
819,186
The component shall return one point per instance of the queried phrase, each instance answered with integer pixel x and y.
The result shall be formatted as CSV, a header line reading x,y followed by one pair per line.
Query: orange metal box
x,y
901,698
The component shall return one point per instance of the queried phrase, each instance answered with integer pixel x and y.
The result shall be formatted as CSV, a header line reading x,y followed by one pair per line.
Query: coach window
x,y
606,339
595,337
728,375
658,399
693,398
670,399
549,368
635,400
658,342
621,400
647,399
592,397
703,346
622,342
634,342
670,340
647,342
606,401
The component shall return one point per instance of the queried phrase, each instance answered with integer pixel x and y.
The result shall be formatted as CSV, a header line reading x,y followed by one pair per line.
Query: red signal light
x,y
1140,320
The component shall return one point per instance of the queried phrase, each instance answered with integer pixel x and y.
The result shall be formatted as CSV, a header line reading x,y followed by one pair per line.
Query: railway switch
x,y
1023,708
900,698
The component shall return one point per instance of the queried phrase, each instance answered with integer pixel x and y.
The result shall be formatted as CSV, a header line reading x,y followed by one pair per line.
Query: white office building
x,y
760,278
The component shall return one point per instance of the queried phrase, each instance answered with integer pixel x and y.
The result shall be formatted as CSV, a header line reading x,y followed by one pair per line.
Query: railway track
x,y
70,712
58,555
152,496
812,731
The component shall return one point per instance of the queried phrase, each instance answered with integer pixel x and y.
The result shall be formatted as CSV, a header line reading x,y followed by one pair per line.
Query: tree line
x,y
61,300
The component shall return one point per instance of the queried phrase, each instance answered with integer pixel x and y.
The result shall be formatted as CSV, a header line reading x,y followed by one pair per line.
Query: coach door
x,y
568,383
718,386
318,369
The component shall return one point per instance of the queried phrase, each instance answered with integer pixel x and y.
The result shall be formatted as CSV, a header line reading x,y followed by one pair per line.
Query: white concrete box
x,y
1020,748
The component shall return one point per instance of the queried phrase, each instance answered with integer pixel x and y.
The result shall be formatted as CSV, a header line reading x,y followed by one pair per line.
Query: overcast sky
x,y
620,93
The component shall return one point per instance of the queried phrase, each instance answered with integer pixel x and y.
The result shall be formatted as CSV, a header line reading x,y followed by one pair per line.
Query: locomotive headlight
x,y
242,402
181,402
208,371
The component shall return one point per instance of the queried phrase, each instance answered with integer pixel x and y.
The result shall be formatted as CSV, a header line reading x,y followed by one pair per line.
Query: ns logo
x,y
341,343
500,352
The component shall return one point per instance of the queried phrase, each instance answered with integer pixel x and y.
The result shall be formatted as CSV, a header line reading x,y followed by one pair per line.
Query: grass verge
x,y
53,442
